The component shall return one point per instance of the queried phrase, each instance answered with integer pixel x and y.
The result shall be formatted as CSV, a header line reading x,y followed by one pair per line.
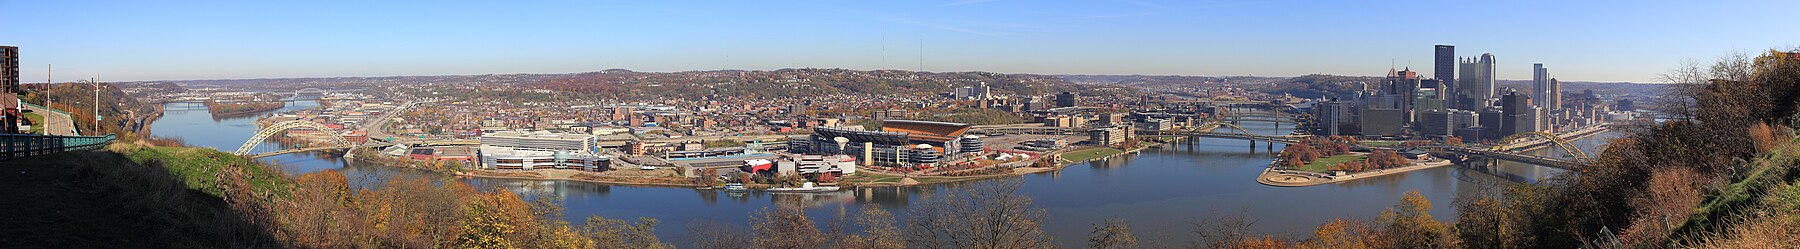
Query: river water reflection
x,y
1159,191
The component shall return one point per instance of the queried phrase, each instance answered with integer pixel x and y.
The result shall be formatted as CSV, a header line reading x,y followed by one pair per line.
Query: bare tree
x,y
1114,233
610,233
708,234
987,215
878,231
1221,231
785,227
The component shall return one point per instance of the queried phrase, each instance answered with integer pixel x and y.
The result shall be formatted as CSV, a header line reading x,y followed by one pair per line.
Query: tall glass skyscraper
x,y
1540,82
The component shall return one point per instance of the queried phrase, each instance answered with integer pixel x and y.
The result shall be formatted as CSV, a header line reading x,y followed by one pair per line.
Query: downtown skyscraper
x,y
1444,68
1476,87
1540,82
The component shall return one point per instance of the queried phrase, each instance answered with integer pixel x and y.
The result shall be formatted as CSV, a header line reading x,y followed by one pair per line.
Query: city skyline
x,y
1600,42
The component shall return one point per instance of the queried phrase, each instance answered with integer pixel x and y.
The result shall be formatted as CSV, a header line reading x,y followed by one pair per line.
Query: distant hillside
x,y
1646,95
1320,85
626,84
1165,80
787,83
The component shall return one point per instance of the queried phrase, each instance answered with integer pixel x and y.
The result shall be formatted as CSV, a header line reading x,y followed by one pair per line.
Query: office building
x,y
1464,119
540,150
1109,136
1382,115
1067,99
1553,99
1540,82
1382,121
1493,123
1034,103
1476,85
1155,124
1429,96
1333,116
1111,119
620,113
1063,122
1444,66
1518,114
978,91
1436,123
806,165
1533,120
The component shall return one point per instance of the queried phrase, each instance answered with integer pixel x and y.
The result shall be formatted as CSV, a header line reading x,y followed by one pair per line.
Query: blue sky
x,y
1578,40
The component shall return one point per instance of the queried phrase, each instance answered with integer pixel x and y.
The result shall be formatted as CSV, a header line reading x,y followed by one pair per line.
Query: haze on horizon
x,y
1606,41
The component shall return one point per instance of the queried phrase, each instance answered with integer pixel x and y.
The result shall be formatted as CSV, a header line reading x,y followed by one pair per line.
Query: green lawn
x,y
37,122
1324,164
1086,154
1379,143
872,178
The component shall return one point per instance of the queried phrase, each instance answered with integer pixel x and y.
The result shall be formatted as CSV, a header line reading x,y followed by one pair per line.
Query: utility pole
x,y
96,101
48,85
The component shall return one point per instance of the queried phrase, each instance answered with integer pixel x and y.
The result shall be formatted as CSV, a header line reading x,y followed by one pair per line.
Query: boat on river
x,y
735,187
807,187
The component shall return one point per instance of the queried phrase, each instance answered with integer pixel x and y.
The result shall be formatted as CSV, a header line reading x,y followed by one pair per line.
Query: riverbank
x,y
242,109
886,179
589,177
1291,178
1104,153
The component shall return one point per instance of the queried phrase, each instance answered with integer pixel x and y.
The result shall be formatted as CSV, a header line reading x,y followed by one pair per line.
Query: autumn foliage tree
x,y
1411,226
326,211
1347,234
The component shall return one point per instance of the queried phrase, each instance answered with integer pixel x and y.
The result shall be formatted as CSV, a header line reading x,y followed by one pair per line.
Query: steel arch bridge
x,y
297,93
1215,125
1207,130
284,126
1564,144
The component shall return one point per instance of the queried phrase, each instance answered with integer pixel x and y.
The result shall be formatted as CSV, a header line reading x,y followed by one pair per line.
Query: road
x,y
55,123
377,129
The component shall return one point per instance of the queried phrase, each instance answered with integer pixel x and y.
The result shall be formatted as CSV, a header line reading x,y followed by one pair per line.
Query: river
x,y
1159,191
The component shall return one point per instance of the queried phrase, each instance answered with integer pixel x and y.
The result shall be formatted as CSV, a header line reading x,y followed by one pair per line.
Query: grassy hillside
x,y
106,199
178,197
200,168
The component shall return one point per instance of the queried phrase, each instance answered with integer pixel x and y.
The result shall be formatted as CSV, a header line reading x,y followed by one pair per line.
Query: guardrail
x,y
15,146
46,108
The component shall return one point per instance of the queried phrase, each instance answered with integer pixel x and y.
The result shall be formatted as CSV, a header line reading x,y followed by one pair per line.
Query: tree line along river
x,y
1160,191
